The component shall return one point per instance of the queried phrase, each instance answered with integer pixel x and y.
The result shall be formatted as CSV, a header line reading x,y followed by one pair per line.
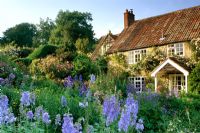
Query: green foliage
x,y
195,44
83,65
22,34
149,62
42,51
64,53
81,45
71,26
24,52
101,64
117,65
51,67
43,33
194,79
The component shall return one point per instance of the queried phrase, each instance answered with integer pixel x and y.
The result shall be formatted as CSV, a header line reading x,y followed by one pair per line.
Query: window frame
x,y
136,80
176,48
134,56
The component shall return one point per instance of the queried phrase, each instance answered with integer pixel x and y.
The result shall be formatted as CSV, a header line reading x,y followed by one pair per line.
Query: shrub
x,y
42,51
194,79
51,66
24,52
82,65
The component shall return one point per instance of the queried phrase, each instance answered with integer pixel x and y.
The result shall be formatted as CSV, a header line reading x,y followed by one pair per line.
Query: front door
x,y
176,82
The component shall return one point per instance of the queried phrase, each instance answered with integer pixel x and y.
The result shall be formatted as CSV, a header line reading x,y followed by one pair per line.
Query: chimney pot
x,y
129,18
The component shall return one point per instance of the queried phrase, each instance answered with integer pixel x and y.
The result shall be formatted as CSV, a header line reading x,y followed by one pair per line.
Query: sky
x,y
107,14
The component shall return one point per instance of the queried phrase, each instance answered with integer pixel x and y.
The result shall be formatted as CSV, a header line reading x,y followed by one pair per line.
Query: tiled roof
x,y
102,41
178,26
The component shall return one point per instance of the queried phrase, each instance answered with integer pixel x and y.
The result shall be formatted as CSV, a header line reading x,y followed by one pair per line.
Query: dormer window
x,y
175,49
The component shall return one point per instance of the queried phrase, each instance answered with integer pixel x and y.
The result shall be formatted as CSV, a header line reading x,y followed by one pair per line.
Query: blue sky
x,y
107,14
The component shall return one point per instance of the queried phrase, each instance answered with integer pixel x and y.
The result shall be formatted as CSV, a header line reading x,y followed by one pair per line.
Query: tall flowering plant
x,y
6,116
111,109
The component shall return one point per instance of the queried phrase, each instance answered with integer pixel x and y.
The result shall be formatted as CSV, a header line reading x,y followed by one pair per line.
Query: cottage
x,y
171,33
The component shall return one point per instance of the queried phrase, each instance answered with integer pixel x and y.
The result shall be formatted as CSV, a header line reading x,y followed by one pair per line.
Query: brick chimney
x,y
129,18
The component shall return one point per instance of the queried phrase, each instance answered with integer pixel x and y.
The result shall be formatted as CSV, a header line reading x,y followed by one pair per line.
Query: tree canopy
x,y
21,34
43,33
71,26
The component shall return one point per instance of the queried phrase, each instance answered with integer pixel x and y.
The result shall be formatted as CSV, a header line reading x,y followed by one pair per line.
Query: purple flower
x,y
58,120
76,78
63,101
29,115
46,118
129,114
11,76
27,98
139,126
38,112
1,81
69,82
130,88
6,116
111,109
83,89
68,126
92,78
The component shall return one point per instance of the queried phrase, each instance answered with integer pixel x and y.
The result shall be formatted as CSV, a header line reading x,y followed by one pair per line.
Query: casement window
x,y
136,55
138,82
175,49
130,57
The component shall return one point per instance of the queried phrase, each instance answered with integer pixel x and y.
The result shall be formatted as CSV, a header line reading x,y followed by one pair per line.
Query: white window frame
x,y
135,56
136,80
131,57
177,49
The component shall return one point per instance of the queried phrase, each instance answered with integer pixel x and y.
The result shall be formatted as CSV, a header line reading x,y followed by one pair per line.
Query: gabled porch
x,y
175,74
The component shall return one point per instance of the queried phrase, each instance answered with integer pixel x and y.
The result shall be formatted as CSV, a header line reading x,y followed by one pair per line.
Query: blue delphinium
x,y
92,78
129,114
130,88
29,115
38,112
63,101
6,117
27,98
68,126
1,81
58,120
46,118
11,76
111,109
75,78
139,126
69,82
83,89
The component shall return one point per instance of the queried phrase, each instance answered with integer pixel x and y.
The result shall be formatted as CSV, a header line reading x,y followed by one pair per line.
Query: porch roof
x,y
174,63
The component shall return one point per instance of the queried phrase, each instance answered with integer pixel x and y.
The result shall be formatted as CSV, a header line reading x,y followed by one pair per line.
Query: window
x,y
138,82
130,57
105,48
136,55
175,49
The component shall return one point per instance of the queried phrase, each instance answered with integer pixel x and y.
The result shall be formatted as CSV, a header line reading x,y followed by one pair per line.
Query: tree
x,y
81,45
21,34
44,29
71,26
